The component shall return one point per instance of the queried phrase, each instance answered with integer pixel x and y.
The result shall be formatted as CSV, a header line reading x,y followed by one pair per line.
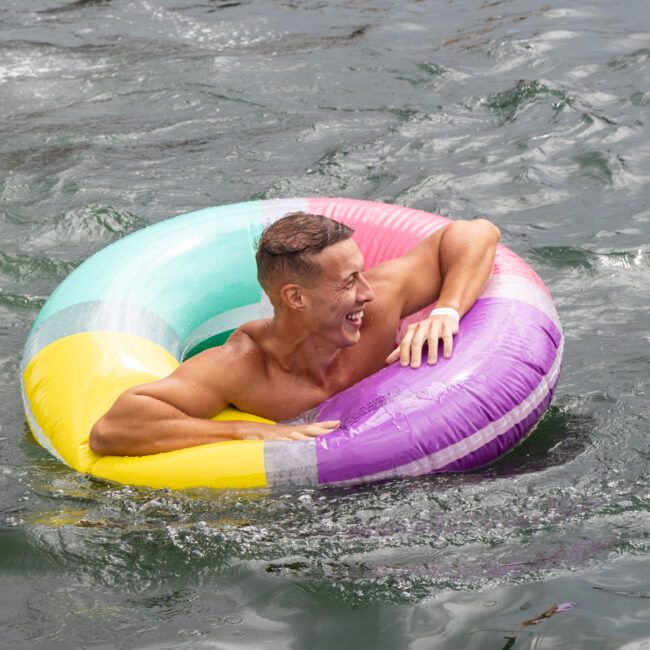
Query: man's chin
x,y
351,339
345,338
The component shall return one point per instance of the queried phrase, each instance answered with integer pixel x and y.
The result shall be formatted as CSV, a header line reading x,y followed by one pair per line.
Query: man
x,y
334,323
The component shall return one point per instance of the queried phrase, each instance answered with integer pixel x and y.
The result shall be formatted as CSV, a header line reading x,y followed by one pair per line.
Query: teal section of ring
x,y
177,282
179,269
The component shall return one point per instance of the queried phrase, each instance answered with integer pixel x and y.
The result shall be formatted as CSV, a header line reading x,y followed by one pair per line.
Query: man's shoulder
x,y
240,356
246,338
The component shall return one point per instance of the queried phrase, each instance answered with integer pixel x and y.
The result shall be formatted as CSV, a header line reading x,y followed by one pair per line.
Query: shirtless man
x,y
334,323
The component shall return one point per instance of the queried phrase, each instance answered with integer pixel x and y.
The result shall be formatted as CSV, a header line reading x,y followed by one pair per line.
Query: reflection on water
x,y
119,114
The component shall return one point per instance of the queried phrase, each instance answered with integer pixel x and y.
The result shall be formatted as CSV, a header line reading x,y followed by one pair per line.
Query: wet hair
x,y
286,248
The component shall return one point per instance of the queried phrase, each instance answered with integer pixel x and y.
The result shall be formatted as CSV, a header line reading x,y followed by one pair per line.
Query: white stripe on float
x,y
35,428
226,321
516,287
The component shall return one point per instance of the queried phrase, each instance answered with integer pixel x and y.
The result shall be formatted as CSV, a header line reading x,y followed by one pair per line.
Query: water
x,y
119,114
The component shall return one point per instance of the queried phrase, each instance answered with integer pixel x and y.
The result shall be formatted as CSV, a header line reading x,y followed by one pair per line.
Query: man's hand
x,y
429,330
450,267
260,431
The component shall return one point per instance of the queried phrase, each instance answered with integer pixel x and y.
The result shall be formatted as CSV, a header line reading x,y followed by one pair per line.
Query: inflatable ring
x,y
134,310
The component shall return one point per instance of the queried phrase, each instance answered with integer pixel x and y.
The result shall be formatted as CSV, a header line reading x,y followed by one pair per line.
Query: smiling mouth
x,y
355,316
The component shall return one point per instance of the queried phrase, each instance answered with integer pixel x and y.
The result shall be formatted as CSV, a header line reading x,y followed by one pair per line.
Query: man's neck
x,y
302,353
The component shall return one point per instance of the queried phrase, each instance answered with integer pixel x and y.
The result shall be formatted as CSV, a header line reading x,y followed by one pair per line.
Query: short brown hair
x,y
285,247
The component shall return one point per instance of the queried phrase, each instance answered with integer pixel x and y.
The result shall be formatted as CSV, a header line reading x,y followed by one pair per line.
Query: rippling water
x,y
118,114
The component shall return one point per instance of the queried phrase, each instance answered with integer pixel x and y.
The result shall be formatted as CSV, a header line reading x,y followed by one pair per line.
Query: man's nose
x,y
366,292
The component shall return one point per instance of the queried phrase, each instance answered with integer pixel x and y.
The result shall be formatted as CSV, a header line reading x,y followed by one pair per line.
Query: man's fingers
x,y
319,428
416,347
329,424
296,435
409,351
447,343
393,356
300,431
432,343
405,347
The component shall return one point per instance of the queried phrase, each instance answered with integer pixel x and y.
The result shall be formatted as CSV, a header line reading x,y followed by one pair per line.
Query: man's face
x,y
337,298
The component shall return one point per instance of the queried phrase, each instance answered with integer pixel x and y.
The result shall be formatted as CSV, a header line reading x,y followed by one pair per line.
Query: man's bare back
x,y
329,330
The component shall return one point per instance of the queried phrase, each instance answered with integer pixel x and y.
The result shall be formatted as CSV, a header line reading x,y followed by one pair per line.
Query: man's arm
x,y
451,267
172,413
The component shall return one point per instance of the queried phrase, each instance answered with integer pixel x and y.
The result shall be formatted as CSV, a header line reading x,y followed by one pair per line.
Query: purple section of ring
x,y
399,415
501,444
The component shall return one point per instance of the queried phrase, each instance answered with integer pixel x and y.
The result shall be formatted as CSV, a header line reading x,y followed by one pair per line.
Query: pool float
x,y
134,310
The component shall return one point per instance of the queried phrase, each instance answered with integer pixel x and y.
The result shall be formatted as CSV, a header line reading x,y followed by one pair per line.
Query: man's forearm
x,y
466,254
467,251
139,425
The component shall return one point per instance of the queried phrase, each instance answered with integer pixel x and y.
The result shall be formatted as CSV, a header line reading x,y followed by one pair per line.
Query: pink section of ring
x,y
510,263
384,232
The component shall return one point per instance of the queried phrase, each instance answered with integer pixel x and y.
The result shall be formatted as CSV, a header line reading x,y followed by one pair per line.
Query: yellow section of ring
x,y
73,381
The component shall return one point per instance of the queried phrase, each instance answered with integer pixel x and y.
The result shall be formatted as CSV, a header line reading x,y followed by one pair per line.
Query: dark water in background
x,y
118,114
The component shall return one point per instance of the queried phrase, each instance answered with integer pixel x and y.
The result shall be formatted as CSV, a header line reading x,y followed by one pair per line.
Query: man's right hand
x,y
261,431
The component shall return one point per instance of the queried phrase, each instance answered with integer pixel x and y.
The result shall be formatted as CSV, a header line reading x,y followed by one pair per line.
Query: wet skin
x,y
324,336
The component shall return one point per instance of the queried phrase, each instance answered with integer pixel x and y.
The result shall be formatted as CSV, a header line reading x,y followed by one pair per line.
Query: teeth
x,y
355,316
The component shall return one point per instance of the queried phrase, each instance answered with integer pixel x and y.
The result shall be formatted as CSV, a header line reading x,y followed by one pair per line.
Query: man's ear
x,y
293,296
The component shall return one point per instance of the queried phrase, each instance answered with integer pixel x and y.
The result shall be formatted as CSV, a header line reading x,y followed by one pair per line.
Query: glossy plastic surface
x,y
134,310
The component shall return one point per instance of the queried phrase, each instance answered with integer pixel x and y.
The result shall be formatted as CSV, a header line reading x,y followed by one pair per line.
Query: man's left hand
x,y
430,331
